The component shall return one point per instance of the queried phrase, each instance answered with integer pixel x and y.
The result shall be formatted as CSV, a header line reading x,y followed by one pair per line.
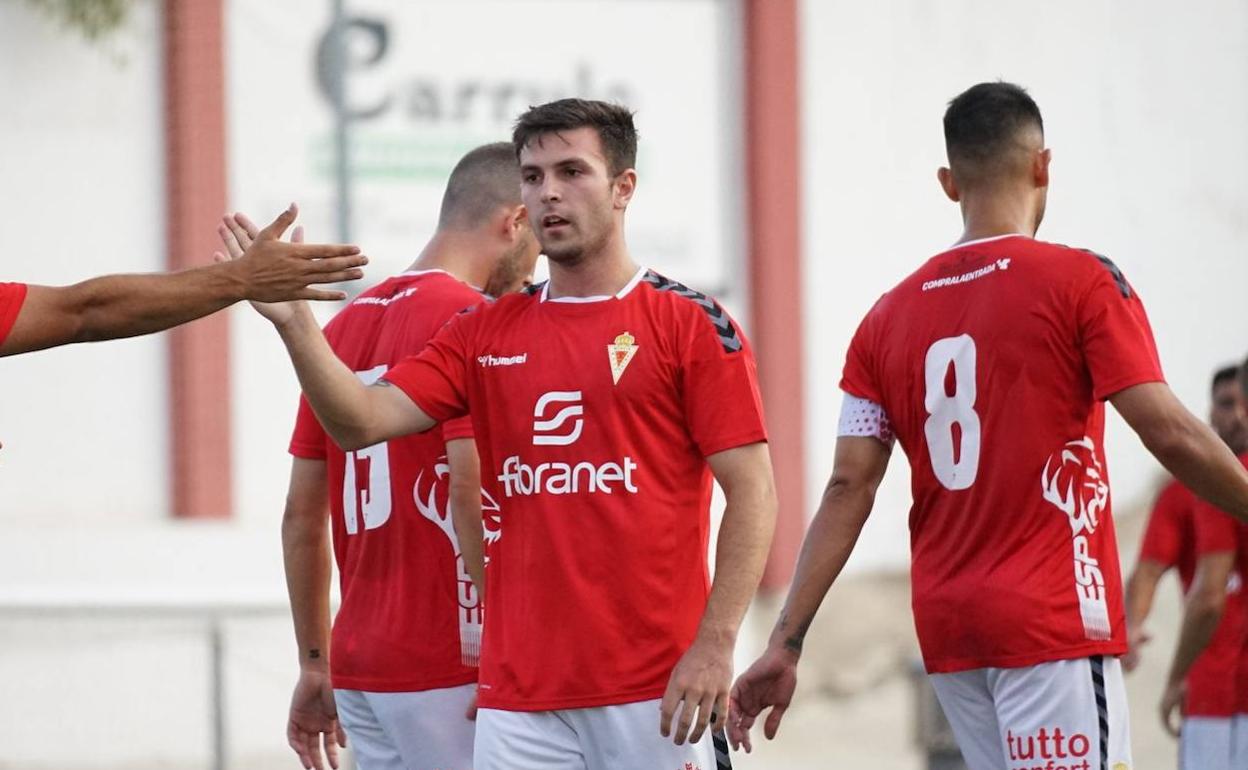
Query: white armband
x,y
863,417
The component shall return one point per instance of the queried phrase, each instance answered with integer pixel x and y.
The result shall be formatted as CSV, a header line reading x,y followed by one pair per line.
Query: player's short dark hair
x,y
983,124
1224,375
613,122
485,179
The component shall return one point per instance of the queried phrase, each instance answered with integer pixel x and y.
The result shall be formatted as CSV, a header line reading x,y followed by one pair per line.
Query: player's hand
x,y
698,687
314,721
1136,639
1172,707
769,683
274,271
471,712
239,234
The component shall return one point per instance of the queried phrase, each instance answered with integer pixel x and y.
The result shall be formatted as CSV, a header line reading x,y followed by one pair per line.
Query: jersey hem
x,y
955,665
1121,384
369,684
486,701
745,439
308,452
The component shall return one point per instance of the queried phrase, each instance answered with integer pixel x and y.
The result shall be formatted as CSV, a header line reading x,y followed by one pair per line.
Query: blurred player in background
x,y
603,401
990,365
36,317
1206,568
399,668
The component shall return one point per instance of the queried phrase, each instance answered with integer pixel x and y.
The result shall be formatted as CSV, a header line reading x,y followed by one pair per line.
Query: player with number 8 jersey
x,y
991,363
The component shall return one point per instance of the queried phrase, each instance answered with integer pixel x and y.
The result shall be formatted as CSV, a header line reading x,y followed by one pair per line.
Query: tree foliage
x,y
94,19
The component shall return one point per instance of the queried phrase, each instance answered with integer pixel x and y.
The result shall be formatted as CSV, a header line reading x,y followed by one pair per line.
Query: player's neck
x,y
994,216
603,273
458,254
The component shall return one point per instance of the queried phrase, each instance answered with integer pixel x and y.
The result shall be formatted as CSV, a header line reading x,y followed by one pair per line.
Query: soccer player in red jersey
x,y
398,670
1205,558
37,317
990,364
603,403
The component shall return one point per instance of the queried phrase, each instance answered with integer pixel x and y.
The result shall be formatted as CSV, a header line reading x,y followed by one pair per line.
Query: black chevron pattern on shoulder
x,y
728,336
1119,278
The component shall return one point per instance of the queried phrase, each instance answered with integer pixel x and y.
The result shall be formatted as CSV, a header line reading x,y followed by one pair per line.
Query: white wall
x,y
1145,108
81,193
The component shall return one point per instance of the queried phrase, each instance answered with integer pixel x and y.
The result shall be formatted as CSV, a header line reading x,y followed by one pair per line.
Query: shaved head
x,y
992,131
484,180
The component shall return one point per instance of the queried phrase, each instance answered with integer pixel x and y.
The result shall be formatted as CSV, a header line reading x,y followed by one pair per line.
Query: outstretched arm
x,y
115,306
1187,447
858,468
353,414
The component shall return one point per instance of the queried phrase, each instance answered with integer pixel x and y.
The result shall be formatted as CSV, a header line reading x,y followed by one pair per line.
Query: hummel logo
x,y
1004,264
552,432
488,360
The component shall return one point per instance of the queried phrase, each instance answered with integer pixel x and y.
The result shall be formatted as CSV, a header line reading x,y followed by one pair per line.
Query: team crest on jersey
x,y
621,352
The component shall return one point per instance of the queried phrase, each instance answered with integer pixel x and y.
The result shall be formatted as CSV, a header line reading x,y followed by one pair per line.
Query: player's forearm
x,y
1141,589
1201,617
115,306
339,399
307,557
469,530
827,546
745,534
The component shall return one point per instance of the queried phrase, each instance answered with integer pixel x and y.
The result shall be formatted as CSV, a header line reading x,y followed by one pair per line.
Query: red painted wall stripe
x,y
199,353
773,151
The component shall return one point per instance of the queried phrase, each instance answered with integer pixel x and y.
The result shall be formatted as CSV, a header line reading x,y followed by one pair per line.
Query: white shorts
x,y
426,730
1239,741
1207,743
1063,715
624,737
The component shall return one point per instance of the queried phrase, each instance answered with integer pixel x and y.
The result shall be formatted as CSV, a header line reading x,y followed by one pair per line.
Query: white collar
x,y
621,294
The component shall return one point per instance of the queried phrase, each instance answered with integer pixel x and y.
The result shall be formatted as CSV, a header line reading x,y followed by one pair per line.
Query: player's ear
x,y
518,222
945,176
625,185
1040,167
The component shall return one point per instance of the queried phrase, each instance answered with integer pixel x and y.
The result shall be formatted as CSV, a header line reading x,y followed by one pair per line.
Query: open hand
x,y
314,721
243,241
769,683
699,687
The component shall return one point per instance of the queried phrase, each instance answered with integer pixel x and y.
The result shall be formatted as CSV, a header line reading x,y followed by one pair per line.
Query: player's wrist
x,y
716,635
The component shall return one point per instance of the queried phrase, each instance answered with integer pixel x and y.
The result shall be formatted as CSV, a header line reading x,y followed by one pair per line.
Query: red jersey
x,y
991,363
1178,534
410,619
12,295
1219,532
593,420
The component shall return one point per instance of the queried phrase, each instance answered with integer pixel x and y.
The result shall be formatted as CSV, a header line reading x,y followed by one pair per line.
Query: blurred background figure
x,y
1170,543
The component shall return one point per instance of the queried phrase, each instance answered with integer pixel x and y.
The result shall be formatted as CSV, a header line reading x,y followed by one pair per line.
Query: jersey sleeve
x,y
1115,337
12,295
1216,531
858,378
1163,536
309,440
460,427
722,403
436,379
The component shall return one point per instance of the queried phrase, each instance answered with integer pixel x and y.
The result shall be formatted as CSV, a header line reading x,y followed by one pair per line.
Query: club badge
x,y
621,352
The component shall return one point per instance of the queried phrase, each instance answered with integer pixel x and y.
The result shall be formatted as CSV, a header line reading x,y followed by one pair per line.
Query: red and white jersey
x,y
1178,534
991,363
410,618
12,295
593,419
